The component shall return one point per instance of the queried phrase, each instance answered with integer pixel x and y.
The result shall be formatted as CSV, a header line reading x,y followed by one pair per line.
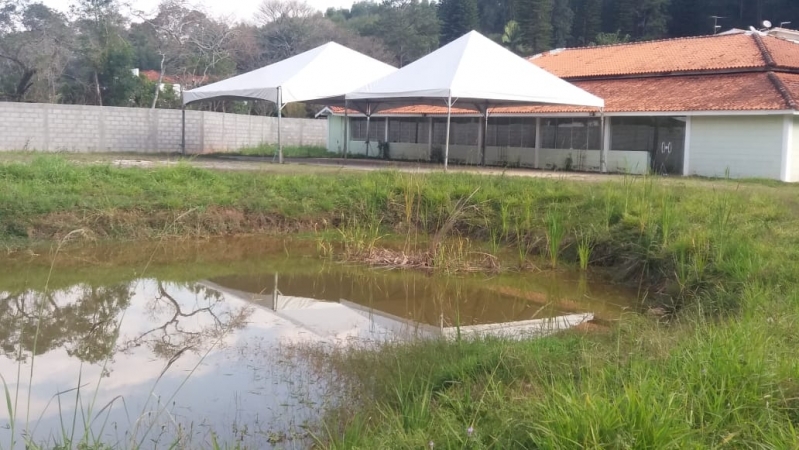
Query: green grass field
x,y
720,258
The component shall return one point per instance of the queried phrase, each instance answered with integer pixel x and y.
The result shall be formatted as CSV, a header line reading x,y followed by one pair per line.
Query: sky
x,y
238,9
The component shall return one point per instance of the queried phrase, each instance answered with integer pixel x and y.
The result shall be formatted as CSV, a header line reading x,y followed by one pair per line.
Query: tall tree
x,y
34,50
642,19
587,21
624,16
562,21
457,17
535,21
494,15
689,18
410,29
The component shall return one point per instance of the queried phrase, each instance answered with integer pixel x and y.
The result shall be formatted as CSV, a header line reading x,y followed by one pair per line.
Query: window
x,y
511,132
463,131
377,129
358,129
577,134
632,133
412,130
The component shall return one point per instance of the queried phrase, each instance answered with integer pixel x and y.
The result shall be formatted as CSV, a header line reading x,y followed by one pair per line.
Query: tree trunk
x,y
97,89
160,80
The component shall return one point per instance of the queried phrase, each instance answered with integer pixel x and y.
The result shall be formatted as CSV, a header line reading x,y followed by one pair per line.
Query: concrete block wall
x,y
81,128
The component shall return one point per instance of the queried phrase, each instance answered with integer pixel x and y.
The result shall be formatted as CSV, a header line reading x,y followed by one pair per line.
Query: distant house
x,y
711,106
177,82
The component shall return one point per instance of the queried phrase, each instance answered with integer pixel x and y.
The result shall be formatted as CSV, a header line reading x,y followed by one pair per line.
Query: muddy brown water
x,y
150,343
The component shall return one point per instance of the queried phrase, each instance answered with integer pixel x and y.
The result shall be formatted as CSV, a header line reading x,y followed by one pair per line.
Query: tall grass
x,y
720,260
555,232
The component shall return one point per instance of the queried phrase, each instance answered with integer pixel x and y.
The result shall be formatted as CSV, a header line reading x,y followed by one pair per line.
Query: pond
x,y
151,343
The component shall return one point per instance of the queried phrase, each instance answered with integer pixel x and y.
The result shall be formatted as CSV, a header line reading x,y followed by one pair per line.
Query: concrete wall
x,y
51,127
746,146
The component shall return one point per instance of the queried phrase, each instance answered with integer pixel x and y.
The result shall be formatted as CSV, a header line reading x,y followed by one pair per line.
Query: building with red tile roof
x,y
717,105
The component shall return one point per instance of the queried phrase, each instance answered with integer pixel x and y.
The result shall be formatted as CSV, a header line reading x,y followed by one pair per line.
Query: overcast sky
x,y
239,9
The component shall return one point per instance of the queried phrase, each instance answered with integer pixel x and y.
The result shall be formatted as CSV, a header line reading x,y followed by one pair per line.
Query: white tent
x,y
323,74
472,71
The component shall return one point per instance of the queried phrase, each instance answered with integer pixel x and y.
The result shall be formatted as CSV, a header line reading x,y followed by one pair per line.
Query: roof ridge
x,y
783,90
626,44
764,51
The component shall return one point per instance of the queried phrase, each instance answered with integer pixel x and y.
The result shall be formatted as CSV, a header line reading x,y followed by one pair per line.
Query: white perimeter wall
x,y
80,128
747,146
795,150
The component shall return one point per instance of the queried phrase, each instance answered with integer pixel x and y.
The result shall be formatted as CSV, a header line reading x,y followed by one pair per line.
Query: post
x,y
686,166
483,139
603,156
346,127
279,117
275,295
183,128
538,140
368,120
446,142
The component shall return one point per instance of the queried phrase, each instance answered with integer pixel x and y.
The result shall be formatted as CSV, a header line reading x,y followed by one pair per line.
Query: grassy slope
x,y
722,373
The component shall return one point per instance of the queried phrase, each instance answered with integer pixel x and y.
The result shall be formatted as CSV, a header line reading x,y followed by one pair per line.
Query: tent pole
x,y
446,145
346,127
279,117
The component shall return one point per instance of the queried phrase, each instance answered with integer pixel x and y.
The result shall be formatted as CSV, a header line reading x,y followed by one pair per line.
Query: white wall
x,y
335,134
410,152
747,146
795,150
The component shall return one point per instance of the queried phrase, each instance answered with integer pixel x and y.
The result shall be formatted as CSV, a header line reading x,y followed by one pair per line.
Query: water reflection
x,y
153,359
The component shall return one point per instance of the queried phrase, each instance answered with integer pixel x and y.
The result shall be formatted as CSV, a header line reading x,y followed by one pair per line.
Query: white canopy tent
x,y
323,74
475,72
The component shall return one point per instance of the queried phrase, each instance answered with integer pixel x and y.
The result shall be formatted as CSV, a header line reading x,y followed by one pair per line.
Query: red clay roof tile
x,y
725,92
697,54
791,83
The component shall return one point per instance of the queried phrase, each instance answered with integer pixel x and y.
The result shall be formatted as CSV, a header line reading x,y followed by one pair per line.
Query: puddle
x,y
150,343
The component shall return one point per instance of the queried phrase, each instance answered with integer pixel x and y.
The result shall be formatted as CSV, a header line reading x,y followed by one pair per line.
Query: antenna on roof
x,y
716,26
766,24
782,24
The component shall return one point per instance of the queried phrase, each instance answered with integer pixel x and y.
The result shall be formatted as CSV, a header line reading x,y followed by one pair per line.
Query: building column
x,y
787,149
429,138
537,142
605,145
686,158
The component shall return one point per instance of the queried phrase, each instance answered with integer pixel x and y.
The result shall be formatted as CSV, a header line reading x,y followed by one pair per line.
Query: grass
x,y
717,259
270,150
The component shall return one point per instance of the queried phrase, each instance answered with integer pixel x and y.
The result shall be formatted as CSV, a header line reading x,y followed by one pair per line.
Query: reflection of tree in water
x,y
86,327
85,321
180,327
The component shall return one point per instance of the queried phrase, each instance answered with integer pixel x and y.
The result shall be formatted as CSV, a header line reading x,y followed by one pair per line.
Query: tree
x,y
642,19
587,21
101,73
512,37
535,20
34,49
610,38
457,18
562,21
494,16
410,29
